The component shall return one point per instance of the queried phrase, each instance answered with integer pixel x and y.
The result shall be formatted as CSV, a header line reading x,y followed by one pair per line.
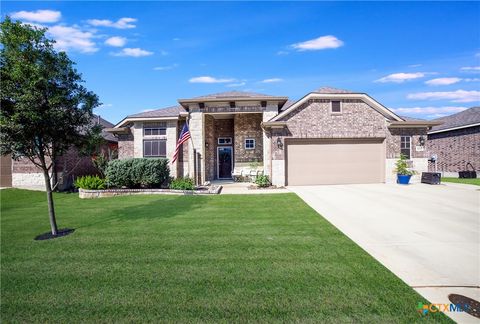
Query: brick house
x,y
24,174
329,136
456,142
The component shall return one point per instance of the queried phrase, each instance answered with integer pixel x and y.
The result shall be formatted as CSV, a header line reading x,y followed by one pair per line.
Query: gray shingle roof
x,y
331,90
172,111
233,94
463,118
105,124
407,118
288,104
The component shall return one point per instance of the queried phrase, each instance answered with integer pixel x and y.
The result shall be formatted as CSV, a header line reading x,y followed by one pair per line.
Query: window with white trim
x,y
406,145
336,106
250,144
150,129
155,148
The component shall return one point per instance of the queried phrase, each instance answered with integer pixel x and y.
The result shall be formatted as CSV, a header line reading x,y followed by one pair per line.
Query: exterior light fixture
x,y
421,140
206,144
279,143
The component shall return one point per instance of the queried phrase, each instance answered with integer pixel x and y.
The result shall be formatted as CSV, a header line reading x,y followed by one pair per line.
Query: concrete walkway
x,y
429,236
241,188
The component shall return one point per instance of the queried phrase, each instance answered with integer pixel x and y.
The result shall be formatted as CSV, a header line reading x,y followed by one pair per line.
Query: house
x,y
330,136
456,142
23,173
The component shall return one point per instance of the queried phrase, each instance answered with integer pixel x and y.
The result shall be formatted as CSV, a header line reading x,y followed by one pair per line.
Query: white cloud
x,y
72,38
320,43
272,80
282,53
428,110
240,84
42,16
105,106
165,68
122,23
414,65
475,69
135,52
472,80
116,41
443,81
454,96
209,79
401,77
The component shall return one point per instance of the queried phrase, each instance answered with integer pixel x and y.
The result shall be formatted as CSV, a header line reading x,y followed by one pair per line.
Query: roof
x,y
233,94
172,111
97,120
287,104
466,118
331,90
407,118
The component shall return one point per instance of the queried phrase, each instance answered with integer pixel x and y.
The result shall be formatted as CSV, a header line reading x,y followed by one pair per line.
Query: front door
x,y
224,162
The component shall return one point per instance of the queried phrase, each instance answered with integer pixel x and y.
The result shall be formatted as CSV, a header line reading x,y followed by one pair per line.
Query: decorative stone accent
x,y
455,149
125,146
88,194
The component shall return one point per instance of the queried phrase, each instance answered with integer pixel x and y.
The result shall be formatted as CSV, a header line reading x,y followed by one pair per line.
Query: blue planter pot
x,y
403,179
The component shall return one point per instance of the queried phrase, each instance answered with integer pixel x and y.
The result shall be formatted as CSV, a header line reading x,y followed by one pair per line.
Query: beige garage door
x,y
317,161
6,171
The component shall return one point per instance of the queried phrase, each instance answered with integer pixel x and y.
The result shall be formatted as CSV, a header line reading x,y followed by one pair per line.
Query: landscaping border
x,y
91,194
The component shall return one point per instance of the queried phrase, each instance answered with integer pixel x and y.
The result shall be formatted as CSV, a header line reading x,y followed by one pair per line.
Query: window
x,y
224,140
154,129
155,148
250,144
405,145
336,106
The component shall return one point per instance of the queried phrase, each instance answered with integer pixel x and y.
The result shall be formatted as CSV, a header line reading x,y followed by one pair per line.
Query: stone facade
x,y
125,146
247,126
454,149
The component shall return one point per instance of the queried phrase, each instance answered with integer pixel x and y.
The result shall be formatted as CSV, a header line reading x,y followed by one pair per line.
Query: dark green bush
x,y
138,173
182,184
262,181
90,182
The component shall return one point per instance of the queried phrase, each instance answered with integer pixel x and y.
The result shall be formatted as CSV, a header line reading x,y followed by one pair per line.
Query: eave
x,y
413,124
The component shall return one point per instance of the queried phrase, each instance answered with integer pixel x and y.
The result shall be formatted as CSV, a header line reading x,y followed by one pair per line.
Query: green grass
x,y
229,258
475,181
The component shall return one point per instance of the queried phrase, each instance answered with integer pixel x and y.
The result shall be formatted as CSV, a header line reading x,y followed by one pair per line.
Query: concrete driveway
x,y
429,236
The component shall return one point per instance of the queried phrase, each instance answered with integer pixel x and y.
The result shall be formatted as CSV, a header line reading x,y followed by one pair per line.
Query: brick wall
x,y
455,148
125,146
215,128
248,126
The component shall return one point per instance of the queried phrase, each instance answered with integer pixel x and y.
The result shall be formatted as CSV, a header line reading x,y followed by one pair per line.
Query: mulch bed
x,y
60,233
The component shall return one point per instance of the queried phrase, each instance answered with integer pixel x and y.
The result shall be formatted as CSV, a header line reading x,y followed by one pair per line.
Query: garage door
x,y
317,161
6,171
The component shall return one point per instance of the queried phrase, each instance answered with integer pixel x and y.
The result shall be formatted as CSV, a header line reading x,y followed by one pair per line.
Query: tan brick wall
x,y
215,128
125,146
248,126
455,148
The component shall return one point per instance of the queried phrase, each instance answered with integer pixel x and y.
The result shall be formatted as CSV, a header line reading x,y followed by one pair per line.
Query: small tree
x,y
45,109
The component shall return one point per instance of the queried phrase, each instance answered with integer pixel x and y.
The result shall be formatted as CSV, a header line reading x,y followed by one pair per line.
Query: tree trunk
x,y
51,207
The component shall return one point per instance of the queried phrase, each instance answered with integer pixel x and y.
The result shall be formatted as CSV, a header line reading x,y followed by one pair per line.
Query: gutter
x,y
413,124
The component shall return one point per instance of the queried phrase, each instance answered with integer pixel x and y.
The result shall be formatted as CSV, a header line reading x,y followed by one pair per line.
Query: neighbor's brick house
x,y
456,142
24,174
328,136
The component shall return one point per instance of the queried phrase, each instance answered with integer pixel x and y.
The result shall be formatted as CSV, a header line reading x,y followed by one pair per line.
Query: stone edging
x,y
89,194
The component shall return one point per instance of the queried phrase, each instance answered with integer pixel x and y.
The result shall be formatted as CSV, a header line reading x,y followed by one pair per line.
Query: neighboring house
x,y
329,136
24,174
456,142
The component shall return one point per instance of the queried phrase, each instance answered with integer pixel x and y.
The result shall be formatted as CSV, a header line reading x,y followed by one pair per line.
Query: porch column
x,y
197,143
268,114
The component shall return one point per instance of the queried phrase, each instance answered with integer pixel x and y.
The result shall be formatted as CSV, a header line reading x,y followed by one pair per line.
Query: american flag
x,y
184,136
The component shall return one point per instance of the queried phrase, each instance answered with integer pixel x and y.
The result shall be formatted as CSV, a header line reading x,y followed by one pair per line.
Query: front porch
x,y
233,146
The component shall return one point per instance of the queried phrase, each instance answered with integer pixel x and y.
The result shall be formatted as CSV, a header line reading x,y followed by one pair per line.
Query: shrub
x,y
182,184
262,181
138,173
90,182
401,166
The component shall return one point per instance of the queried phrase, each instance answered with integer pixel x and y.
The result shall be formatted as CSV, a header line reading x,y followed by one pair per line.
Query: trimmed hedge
x,y
138,173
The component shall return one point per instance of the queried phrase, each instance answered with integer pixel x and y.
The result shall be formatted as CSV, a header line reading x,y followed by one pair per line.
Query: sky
x,y
420,59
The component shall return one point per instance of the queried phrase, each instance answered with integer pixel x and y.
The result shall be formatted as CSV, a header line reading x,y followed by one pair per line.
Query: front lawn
x,y
231,258
475,181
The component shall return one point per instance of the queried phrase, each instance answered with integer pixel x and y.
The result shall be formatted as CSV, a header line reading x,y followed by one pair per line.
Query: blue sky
x,y
421,59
